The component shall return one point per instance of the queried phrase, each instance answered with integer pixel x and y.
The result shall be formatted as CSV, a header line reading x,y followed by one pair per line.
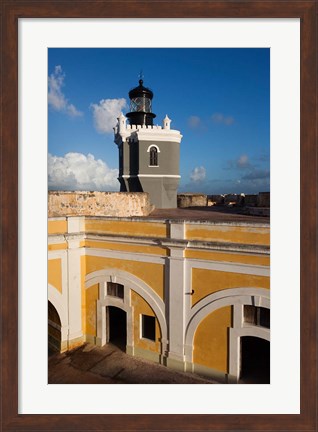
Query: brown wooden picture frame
x,y
12,10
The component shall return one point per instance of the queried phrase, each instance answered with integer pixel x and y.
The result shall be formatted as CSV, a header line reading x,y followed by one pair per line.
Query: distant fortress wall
x,y
192,200
121,204
201,200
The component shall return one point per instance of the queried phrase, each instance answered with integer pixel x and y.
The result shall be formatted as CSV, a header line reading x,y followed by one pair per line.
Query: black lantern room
x,y
140,106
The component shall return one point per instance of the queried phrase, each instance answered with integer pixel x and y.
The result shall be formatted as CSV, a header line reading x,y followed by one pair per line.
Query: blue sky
x,y
219,99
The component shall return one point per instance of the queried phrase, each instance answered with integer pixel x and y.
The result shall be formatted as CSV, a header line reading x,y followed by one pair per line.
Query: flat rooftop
x,y
213,214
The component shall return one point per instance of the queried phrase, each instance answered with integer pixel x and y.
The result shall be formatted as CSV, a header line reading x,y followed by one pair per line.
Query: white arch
x,y
153,145
217,300
130,282
56,298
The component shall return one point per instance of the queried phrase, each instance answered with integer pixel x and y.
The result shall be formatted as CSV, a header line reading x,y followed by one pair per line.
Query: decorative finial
x,y
166,122
141,76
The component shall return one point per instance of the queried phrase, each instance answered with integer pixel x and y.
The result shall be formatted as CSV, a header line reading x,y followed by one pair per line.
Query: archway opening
x,y
255,360
117,327
54,330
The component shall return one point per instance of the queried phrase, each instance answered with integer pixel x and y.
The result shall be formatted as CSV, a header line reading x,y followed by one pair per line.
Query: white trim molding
x,y
159,175
122,255
230,267
150,175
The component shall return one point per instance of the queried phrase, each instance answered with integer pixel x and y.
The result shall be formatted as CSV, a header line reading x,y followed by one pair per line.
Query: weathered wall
x,y
215,200
121,204
263,199
191,200
251,200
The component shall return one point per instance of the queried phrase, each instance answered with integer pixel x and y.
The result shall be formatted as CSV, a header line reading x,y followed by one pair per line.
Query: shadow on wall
x,y
54,330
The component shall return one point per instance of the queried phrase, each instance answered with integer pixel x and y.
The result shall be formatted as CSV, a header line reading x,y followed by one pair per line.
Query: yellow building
x,y
189,293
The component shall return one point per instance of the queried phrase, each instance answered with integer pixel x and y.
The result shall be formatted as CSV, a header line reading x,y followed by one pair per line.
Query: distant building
x,y
148,155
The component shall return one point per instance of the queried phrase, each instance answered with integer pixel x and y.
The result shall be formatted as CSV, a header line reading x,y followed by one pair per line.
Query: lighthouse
x,y
149,154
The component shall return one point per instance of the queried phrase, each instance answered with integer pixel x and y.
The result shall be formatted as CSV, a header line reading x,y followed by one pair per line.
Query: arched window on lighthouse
x,y
153,156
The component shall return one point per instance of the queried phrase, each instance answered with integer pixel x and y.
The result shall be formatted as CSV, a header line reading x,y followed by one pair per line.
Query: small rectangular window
x,y
258,316
148,324
250,316
115,290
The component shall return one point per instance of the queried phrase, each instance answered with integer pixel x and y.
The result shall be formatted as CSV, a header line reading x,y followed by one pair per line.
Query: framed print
x,y
34,35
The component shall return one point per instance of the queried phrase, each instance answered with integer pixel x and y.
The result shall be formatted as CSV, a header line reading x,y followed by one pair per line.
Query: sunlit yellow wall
x,y
55,273
91,297
141,307
57,226
151,274
152,250
228,257
229,234
211,340
205,282
59,246
130,228
211,337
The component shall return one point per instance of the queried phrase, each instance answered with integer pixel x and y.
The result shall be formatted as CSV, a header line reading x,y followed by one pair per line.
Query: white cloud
x,y
194,121
56,97
76,171
106,112
241,163
198,174
221,118
72,111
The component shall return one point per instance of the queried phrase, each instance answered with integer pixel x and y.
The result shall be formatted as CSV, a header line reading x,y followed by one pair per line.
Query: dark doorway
x,y
255,360
117,327
54,330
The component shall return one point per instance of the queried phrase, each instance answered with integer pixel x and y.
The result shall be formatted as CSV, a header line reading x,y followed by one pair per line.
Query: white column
x,y
176,328
176,308
101,338
74,278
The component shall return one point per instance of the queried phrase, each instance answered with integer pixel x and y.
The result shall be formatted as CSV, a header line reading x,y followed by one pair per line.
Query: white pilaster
x,y
177,230
75,224
176,308
74,280
101,327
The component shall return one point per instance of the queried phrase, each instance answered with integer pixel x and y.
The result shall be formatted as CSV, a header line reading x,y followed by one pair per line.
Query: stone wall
x,y
238,200
215,200
233,199
263,199
120,204
192,200
251,200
